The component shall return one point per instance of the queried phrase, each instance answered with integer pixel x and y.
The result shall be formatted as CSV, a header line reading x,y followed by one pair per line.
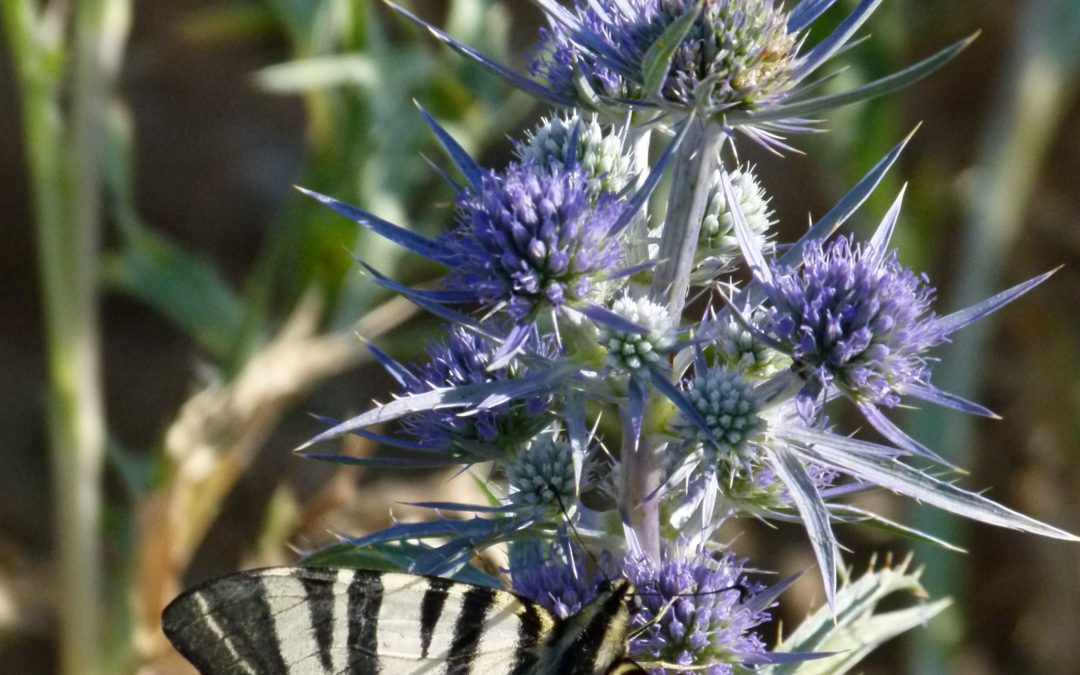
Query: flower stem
x,y
690,184
639,477
63,157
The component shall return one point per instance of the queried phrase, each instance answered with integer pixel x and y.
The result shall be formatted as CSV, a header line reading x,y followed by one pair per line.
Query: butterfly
x,y
307,620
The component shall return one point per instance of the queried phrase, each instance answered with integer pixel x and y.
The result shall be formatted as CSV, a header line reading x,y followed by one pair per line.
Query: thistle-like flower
x,y
530,237
693,609
696,611
739,63
718,248
855,319
730,410
637,352
731,55
542,475
462,359
600,154
852,317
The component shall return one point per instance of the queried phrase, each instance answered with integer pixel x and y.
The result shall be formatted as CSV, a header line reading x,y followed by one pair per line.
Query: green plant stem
x,y
63,163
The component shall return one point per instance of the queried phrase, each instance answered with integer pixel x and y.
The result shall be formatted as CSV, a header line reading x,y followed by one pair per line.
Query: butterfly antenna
x,y
570,526
743,594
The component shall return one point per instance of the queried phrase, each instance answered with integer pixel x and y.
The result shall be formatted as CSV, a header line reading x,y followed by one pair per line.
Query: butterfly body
x,y
312,621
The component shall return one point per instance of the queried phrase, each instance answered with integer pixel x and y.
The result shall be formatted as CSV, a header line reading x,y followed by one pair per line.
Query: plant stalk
x,y
694,162
63,156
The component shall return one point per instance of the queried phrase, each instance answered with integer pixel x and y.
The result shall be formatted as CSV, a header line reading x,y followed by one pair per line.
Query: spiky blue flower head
x,y
697,606
738,62
636,353
530,237
727,405
854,318
559,586
462,359
709,625
736,53
601,152
542,474
731,344
718,247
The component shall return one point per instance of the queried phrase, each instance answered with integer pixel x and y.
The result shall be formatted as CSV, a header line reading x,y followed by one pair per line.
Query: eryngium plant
x,y
566,311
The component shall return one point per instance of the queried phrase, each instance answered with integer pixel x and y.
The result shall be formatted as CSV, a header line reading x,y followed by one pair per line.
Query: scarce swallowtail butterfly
x,y
301,621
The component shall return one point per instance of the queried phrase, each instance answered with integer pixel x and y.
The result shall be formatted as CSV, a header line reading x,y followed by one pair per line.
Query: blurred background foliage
x,y
173,309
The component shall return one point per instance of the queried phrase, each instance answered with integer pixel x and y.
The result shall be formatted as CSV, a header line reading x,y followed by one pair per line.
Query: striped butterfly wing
x,y
301,621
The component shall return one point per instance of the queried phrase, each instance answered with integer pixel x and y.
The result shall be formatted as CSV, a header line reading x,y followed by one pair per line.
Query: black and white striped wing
x,y
303,621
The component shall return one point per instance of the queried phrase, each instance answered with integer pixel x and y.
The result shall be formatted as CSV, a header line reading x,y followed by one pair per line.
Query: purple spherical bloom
x,y
558,586
743,63
461,359
739,49
708,622
692,605
530,237
856,319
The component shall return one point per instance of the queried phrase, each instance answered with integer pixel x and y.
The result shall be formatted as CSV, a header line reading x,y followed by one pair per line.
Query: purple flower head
x,y
705,620
708,622
854,318
741,62
737,53
462,358
558,586
530,237
851,316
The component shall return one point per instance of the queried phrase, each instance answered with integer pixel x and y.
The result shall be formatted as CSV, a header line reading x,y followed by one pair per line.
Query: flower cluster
x,y
681,363
733,54
718,247
694,609
728,406
530,237
637,351
601,155
853,317
461,360
543,474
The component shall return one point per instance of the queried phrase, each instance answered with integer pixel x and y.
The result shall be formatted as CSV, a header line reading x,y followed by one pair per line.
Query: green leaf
x,y
390,557
854,629
183,287
657,61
